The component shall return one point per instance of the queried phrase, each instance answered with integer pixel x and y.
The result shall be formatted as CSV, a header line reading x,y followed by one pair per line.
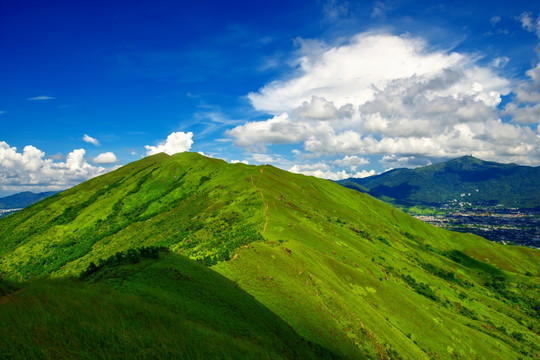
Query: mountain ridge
x,y
343,269
481,182
15,202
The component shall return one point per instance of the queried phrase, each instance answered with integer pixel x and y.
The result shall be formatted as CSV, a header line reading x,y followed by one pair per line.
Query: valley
x,y
506,226
497,201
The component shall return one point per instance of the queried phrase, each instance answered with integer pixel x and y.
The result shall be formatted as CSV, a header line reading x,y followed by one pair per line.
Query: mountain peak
x,y
490,182
465,162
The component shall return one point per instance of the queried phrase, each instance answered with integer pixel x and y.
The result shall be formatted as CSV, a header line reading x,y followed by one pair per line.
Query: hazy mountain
x,y
350,275
464,179
23,199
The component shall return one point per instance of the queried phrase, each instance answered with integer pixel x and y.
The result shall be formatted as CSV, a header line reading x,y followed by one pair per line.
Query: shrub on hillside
x,y
131,256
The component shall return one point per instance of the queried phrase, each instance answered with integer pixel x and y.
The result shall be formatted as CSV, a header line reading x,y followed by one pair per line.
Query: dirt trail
x,y
394,215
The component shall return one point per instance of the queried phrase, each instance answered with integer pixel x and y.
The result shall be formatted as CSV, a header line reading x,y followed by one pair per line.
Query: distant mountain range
x,y
466,179
23,199
289,267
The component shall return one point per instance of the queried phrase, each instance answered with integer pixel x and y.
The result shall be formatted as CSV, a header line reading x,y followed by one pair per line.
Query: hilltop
x,y
465,179
352,276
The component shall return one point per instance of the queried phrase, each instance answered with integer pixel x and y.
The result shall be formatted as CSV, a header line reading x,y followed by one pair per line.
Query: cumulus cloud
x,y
277,130
239,162
490,140
351,73
525,106
393,161
91,140
176,142
105,158
352,161
321,109
263,158
31,170
324,171
382,94
419,106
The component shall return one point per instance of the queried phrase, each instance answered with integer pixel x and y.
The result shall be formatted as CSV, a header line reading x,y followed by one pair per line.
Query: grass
x,y
140,308
344,270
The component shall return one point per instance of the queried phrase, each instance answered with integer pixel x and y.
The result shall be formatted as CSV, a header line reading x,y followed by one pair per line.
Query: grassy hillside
x,y
143,307
345,270
463,179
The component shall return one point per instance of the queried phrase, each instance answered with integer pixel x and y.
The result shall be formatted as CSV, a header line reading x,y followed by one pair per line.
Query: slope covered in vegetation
x,y
143,304
345,270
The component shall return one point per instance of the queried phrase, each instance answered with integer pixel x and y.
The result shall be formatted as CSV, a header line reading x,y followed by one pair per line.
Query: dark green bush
x,y
420,288
131,256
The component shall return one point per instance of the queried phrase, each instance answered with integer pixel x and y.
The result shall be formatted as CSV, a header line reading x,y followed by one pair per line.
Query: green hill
x,y
156,306
347,272
464,179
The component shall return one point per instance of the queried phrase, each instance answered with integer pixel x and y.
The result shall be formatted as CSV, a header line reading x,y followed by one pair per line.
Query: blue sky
x,y
327,88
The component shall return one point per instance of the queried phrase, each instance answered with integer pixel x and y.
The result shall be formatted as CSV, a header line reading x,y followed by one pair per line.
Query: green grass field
x,y
162,308
347,272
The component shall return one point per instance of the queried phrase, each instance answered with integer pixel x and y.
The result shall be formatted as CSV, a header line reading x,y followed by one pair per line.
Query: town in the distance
x,y
500,202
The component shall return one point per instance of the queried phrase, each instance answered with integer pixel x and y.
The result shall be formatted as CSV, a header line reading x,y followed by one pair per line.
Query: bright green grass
x,y
153,309
345,270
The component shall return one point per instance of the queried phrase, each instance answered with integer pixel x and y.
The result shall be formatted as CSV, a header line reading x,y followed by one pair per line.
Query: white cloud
x,y
31,170
263,158
379,10
381,94
321,109
352,73
91,140
500,62
334,9
525,106
105,158
529,23
352,161
393,161
364,173
278,130
57,156
495,20
41,98
324,171
239,161
176,142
